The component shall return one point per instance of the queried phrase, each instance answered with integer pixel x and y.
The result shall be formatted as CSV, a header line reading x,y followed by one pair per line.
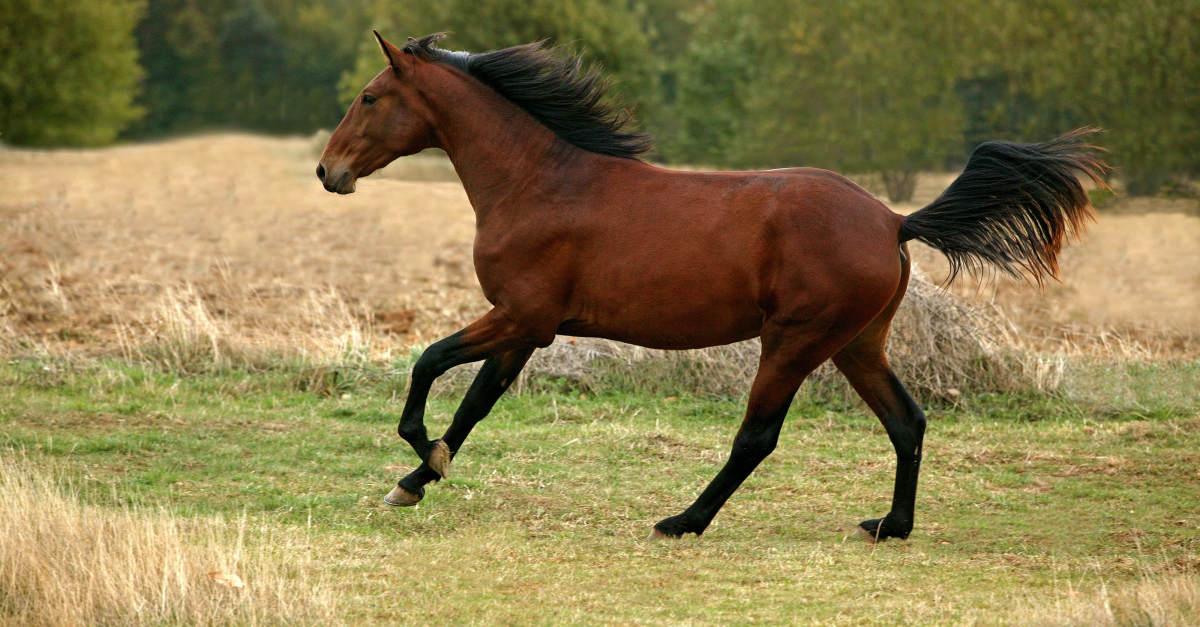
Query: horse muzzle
x,y
339,180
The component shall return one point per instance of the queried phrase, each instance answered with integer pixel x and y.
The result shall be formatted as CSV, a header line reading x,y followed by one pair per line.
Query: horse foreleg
x,y
492,335
494,378
774,387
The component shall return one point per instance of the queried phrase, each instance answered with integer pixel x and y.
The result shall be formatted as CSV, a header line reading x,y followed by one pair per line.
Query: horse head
x,y
389,119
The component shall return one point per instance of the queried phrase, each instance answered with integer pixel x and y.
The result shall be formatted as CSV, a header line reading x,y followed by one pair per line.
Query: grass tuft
x,y
1163,601
940,347
64,563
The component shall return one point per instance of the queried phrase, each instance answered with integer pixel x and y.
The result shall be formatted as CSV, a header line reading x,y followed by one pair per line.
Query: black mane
x,y
555,89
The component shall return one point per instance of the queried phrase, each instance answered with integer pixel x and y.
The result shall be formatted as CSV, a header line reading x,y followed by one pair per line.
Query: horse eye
x,y
368,100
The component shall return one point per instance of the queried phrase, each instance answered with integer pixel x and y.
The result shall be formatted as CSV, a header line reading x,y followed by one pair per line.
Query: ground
x,y
1022,502
1025,501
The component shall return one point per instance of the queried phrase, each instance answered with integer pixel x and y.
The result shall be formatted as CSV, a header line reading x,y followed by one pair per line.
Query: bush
x,y
68,71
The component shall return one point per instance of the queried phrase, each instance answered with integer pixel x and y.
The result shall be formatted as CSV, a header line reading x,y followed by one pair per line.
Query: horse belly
x,y
671,314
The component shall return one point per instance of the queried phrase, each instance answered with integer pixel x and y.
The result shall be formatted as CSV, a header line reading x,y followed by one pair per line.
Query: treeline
x,y
896,87
866,86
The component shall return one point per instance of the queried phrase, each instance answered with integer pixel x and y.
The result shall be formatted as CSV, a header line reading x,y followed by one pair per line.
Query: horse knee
x,y
756,446
413,432
426,367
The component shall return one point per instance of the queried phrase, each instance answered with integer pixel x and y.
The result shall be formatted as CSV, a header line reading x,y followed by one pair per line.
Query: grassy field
x,y
1024,502
203,364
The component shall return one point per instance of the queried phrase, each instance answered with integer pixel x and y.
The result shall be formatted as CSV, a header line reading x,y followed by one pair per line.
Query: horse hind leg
x,y
866,366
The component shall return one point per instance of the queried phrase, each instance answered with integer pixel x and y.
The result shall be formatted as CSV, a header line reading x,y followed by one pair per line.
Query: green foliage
x,y
892,87
1134,68
1130,67
825,83
269,65
862,86
68,71
606,31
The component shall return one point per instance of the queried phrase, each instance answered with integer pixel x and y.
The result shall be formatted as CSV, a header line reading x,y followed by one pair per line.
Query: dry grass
x,y
1165,601
96,247
1130,289
64,563
184,335
210,252
552,496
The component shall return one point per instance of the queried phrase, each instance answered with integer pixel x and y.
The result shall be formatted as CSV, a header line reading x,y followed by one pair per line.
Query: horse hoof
x,y
439,459
862,534
399,497
656,535
868,530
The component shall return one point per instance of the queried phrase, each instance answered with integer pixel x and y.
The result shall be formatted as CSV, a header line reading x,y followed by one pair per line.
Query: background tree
x,y
266,65
1133,68
68,71
827,83
887,87
606,31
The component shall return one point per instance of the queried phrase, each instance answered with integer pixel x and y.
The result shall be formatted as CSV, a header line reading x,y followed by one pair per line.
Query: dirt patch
x,y
94,245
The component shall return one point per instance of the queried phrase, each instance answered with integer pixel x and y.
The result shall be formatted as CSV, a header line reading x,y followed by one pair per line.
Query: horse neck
x,y
498,150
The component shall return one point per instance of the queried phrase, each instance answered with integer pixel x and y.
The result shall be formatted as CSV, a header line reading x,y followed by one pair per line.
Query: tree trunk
x,y
900,185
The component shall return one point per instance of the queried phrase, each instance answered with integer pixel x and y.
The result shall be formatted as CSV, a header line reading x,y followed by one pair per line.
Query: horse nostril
x,y
321,172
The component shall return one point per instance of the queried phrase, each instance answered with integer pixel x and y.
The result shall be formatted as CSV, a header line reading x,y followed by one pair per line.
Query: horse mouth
x,y
344,184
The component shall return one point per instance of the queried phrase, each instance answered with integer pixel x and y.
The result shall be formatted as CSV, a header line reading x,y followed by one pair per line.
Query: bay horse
x,y
576,235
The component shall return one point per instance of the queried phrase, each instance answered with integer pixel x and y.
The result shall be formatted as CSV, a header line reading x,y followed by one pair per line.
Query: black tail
x,y
1012,206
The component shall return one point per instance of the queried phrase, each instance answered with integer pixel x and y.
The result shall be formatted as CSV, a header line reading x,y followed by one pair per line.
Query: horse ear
x,y
395,56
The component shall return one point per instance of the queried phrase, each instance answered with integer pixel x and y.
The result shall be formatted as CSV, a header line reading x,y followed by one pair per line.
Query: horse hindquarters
x,y
793,345
864,363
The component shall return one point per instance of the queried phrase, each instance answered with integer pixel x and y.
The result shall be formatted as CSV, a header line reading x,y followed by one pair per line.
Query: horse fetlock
x,y
439,458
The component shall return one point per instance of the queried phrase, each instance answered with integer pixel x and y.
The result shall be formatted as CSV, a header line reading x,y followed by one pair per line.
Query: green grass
x,y
543,520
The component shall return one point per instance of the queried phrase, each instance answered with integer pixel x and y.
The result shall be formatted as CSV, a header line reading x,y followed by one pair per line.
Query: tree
x,y
68,71
826,83
606,31
1132,67
265,65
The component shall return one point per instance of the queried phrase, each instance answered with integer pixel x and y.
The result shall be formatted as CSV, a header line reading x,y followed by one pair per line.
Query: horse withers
x,y
576,235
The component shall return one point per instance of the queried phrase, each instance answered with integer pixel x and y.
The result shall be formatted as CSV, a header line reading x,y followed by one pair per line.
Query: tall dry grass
x,y
64,563
943,347
940,346
185,335
1164,601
